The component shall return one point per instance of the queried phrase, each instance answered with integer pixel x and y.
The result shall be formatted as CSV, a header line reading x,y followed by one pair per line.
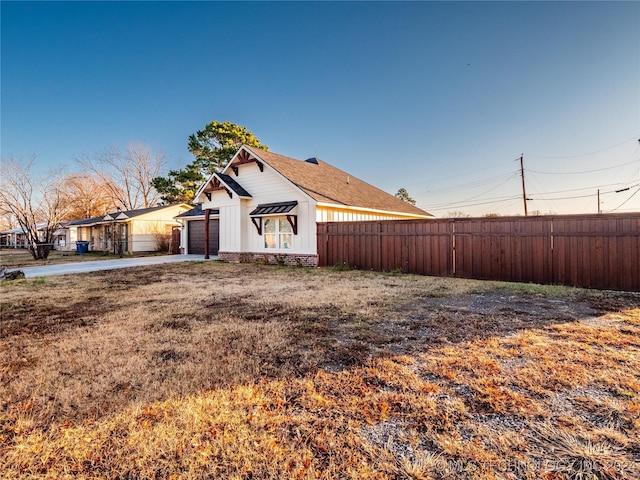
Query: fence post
x,y
453,247
379,246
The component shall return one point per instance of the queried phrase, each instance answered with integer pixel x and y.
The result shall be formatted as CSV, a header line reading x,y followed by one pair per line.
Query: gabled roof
x,y
39,226
233,185
13,230
196,212
328,184
84,222
118,215
135,213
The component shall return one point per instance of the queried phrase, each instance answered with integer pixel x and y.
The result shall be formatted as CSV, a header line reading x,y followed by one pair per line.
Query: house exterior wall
x,y
146,231
239,238
326,213
62,240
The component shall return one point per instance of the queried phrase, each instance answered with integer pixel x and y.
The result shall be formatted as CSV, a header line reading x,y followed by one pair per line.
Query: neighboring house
x,y
143,230
61,237
14,238
17,238
265,206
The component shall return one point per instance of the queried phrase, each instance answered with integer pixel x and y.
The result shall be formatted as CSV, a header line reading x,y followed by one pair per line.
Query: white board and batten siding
x,y
238,233
326,213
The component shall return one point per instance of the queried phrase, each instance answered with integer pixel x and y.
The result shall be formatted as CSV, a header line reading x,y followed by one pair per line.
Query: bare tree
x,y
127,174
36,204
457,214
87,196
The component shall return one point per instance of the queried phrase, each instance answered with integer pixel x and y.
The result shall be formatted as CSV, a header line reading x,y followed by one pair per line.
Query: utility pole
x,y
599,211
524,194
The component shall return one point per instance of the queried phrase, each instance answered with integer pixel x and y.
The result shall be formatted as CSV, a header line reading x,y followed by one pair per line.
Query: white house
x,y
264,207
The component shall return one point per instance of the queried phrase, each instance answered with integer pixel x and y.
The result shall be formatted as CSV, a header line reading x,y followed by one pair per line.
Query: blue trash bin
x,y
82,247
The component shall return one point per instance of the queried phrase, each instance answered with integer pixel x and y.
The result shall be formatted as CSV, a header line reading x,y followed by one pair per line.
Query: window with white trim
x,y
277,233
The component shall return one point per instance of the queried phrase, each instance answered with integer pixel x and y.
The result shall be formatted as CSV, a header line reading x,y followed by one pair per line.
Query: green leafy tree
x,y
213,147
403,195
179,185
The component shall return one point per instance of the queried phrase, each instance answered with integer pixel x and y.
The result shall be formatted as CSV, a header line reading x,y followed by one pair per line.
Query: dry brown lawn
x,y
211,370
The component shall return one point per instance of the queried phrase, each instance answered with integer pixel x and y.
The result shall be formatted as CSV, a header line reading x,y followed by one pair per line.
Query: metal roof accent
x,y
273,208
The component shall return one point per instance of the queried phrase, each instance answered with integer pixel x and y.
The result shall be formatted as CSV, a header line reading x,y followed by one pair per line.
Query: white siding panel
x,y
266,186
335,214
143,242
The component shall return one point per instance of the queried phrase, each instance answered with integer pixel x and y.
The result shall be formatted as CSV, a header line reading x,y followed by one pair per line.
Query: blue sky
x,y
440,98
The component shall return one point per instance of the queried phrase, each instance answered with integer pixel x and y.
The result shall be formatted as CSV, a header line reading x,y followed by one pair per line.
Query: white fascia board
x,y
198,217
202,187
224,170
231,189
371,210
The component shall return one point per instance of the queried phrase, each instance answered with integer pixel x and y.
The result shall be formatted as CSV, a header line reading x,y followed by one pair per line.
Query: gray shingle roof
x,y
127,213
233,185
196,212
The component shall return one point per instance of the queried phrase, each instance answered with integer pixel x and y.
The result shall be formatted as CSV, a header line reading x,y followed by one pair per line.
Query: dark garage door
x,y
196,236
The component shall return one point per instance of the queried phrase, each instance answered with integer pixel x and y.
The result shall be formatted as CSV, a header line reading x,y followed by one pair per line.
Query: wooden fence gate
x,y
591,251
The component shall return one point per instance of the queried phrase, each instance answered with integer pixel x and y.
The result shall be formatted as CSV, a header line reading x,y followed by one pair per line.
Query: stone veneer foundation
x,y
291,259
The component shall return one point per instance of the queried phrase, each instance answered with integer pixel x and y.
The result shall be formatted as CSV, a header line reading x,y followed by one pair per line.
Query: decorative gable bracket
x,y
243,157
257,221
293,221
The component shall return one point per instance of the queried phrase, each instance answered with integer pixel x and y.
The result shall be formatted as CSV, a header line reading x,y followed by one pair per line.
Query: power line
x,y
469,185
584,154
632,195
578,189
437,179
584,171
490,190
586,196
531,179
445,206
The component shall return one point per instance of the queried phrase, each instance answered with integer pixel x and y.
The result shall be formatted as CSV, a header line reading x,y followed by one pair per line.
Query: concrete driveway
x,y
97,265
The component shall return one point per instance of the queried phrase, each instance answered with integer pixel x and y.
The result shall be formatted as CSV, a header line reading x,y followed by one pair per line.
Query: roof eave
x,y
374,210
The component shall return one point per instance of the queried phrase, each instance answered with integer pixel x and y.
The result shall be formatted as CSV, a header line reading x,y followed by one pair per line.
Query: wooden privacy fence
x,y
591,251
